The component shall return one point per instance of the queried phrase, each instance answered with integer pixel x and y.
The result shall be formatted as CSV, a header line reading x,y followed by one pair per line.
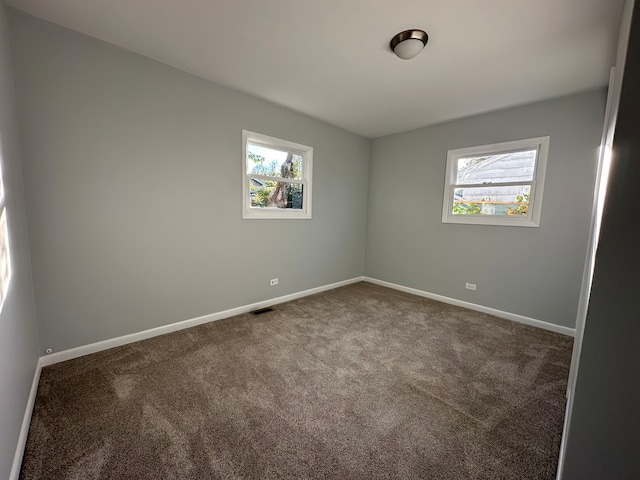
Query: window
x,y
276,180
5,259
499,184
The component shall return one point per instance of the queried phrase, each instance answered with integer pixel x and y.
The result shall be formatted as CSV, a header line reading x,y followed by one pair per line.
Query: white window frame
x,y
306,152
532,219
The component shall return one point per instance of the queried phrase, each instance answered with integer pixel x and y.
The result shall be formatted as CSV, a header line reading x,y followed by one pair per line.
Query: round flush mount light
x,y
409,43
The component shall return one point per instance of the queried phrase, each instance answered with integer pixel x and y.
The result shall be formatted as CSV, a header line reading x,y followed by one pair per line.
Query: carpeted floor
x,y
361,382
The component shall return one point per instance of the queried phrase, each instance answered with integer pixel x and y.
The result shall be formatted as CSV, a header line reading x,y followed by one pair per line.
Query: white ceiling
x,y
330,59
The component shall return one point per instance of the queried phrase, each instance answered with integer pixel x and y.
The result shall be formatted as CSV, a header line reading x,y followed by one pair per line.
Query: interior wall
x,y
604,427
18,336
534,272
132,175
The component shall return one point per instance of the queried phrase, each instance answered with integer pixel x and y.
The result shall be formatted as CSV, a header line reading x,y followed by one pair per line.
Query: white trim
x,y
532,219
5,260
606,144
154,332
252,213
26,422
563,441
479,308
602,175
278,179
173,327
600,189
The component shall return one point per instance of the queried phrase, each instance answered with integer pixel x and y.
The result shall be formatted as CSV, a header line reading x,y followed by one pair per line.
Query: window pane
x,y
505,167
273,163
491,200
270,194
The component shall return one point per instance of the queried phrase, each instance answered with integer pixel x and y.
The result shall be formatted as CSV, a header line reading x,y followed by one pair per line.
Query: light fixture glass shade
x,y
409,43
408,48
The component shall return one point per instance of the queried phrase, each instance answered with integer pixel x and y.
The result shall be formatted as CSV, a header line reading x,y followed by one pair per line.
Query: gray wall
x,y
132,175
132,188
535,272
604,428
18,337
132,185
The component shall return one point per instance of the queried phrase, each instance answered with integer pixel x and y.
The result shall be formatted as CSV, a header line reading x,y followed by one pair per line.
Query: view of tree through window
x,y
269,170
277,177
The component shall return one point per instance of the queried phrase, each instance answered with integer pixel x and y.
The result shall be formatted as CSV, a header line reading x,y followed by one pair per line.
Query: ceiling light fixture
x,y
409,43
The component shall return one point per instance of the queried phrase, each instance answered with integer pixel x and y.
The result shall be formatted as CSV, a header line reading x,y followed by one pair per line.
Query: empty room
x,y
351,240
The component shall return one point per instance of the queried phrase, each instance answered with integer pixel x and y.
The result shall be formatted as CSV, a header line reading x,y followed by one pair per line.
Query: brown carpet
x,y
361,382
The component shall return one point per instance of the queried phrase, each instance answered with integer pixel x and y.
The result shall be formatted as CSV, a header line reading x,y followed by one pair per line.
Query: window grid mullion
x,y
276,179
490,184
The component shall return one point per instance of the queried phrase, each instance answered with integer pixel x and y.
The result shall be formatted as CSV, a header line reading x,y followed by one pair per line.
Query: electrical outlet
x,y
470,286
273,282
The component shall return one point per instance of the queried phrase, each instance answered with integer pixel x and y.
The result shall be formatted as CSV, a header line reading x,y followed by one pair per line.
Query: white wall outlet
x,y
470,286
273,282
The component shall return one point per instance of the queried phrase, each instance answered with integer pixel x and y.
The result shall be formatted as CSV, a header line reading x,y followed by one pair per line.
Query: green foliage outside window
x,y
460,208
519,207
523,206
274,193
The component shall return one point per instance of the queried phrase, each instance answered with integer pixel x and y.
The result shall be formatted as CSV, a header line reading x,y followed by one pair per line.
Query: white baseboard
x,y
173,327
154,332
565,434
480,308
26,421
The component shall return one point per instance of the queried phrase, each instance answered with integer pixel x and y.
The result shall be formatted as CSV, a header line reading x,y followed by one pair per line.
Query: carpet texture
x,y
360,382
